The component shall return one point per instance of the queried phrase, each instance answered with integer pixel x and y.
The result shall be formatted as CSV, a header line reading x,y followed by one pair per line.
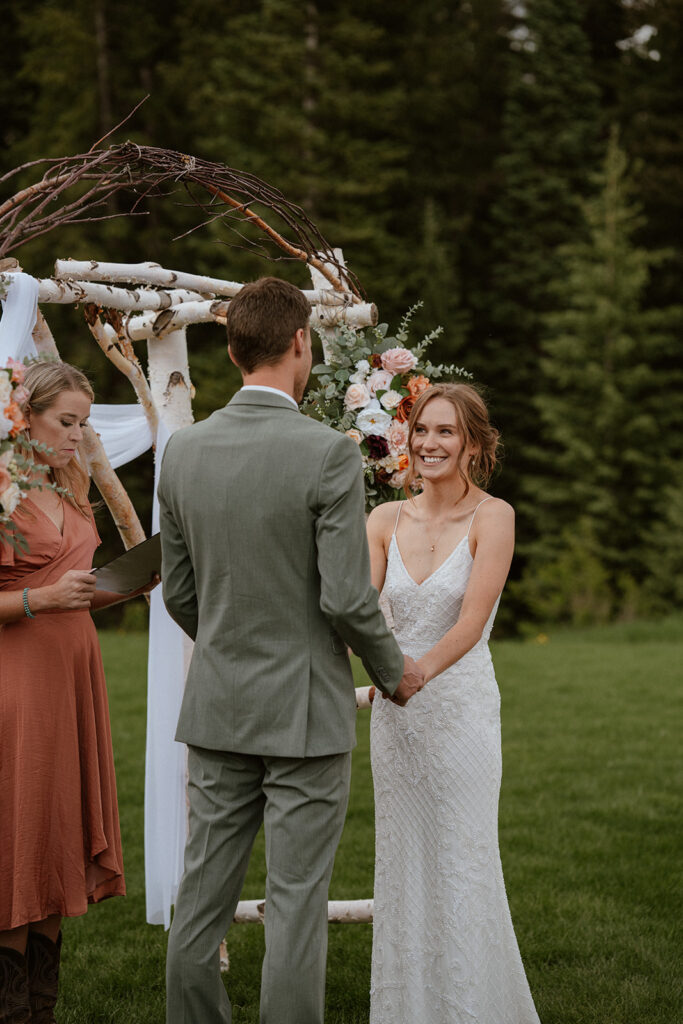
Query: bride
x,y
444,949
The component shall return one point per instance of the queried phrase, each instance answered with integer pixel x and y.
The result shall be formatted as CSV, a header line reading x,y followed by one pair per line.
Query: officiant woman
x,y
60,847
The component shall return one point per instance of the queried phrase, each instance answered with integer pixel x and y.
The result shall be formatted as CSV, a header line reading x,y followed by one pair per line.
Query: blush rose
x,y
398,360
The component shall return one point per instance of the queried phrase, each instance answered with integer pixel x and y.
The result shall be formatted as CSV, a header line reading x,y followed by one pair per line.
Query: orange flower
x,y
14,413
403,409
416,385
376,361
403,462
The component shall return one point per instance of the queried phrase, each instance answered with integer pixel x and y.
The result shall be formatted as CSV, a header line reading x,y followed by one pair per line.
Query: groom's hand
x,y
411,682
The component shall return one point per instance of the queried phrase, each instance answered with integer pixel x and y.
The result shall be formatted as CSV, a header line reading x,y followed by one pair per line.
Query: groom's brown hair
x,y
262,319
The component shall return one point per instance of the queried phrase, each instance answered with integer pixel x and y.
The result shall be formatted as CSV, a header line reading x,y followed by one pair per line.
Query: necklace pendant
x,y
432,547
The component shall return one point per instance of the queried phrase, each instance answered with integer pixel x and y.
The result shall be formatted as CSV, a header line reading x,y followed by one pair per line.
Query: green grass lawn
x,y
589,830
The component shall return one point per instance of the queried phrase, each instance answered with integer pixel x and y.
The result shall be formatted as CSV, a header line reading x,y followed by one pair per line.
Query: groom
x,y
266,567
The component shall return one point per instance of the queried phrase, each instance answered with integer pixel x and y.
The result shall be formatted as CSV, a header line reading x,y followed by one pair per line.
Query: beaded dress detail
x,y
444,949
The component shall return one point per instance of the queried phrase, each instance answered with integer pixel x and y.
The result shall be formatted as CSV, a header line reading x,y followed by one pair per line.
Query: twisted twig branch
x,y
147,172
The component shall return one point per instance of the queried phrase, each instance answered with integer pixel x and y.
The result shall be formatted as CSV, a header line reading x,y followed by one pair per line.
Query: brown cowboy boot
x,y
43,975
14,1004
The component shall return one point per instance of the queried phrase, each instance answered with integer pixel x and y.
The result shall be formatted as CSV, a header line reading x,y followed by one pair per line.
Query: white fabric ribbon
x,y
19,309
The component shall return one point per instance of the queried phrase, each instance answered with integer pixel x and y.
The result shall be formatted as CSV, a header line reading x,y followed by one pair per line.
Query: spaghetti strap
x,y
400,509
474,514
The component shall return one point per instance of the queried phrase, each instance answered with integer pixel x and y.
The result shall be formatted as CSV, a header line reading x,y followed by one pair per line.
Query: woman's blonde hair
x,y
44,382
472,418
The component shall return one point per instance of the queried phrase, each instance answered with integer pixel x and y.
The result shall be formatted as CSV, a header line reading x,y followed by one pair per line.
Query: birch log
x,y
160,277
108,484
363,315
341,911
326,329
126,361
169,379
106,295
363,697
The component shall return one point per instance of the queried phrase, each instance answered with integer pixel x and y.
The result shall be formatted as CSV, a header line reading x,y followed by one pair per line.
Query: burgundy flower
x,y
378,447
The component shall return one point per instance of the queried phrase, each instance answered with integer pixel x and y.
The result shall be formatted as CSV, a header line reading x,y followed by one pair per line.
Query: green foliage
x,y
663,545
606,433
447,148
574,587
550,129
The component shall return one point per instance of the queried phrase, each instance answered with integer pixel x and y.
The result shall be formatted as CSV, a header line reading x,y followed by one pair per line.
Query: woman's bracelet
x,y
29,613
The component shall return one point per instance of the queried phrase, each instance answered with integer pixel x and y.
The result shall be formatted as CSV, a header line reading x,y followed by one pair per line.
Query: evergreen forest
x,y
518,167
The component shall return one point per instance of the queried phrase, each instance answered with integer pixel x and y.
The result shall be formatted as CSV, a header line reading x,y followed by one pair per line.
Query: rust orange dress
x,y
60,845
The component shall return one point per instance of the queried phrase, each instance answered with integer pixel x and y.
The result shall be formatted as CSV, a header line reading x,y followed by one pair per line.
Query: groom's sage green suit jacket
x,y
266,567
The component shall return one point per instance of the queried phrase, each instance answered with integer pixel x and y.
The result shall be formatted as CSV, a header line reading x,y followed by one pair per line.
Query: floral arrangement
x,y
367,387
17,470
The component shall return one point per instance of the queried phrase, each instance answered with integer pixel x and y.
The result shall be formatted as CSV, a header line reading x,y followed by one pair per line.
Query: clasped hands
x,y
411,683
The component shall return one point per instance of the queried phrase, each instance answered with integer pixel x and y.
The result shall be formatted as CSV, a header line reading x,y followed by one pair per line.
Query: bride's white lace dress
x,y
444,949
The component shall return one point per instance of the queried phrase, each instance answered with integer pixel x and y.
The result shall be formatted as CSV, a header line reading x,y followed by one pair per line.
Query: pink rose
x,y
355,435
21,395
357,397
397,436
398,360
379,380
18,370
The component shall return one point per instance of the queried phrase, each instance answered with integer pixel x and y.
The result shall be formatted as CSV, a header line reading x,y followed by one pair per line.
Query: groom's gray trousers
x,y
302,803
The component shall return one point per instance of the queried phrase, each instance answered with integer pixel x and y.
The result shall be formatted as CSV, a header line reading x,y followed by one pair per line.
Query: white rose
x,y
356,397
9,499
390,399
373,419
6,457
5,389
5,425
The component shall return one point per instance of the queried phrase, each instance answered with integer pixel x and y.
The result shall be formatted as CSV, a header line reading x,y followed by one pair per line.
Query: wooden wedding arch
x,y
125,304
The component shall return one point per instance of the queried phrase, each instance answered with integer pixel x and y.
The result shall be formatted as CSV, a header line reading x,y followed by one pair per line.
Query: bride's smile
x,y
437,443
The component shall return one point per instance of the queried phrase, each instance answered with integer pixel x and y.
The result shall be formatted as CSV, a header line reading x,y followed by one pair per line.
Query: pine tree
x,y
611,413
550,127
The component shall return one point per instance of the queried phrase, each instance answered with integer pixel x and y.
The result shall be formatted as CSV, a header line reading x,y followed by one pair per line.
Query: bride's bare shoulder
x,y
382,518
494,513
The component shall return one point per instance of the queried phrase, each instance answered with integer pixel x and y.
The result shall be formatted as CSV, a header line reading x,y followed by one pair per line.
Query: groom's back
x,y
266,675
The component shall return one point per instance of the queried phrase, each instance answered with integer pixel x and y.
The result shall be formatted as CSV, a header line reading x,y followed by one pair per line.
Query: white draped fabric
x,y
166,762
19,309
125,434
124,431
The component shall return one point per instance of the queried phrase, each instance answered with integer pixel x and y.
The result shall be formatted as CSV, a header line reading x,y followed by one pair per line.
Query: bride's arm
x,y
493,533
376,526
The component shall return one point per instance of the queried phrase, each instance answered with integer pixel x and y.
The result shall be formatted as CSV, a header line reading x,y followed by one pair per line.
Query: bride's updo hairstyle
x,y
472,419
44,382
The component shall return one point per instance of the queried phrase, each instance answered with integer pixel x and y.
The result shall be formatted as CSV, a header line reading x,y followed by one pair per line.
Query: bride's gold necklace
x,y
432,547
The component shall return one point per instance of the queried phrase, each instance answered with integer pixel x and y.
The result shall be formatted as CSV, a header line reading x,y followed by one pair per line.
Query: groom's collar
x,y
258,394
